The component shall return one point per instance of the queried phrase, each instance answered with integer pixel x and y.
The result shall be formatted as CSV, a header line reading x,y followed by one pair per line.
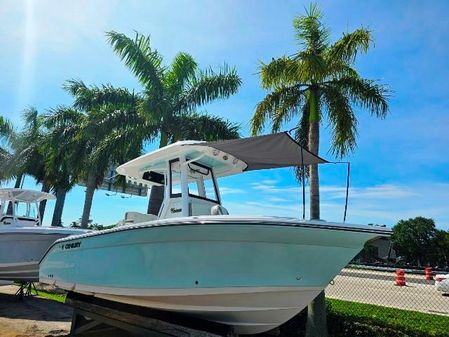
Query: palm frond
x,y
61,117
7,168
302,132
89,97
112,118
181,71
342,120
279,72
195,126
277,106
338,69
365,93
155,108
30,117
289,107
144,62
23,152
347,48
65,142
6,127
7,136
5,158
301,135
312,67
120,145
207,86
310,31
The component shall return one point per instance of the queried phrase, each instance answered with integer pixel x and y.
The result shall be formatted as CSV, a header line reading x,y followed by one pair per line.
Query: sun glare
x,y
29,48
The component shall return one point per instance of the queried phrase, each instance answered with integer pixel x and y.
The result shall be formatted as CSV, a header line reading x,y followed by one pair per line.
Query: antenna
x,y
303,186
348,174
303,178
347,190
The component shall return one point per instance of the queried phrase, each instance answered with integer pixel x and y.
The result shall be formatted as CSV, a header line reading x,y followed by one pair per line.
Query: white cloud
x,y
255,208
386,191
230,190
277,199
383,204
271,187
269,181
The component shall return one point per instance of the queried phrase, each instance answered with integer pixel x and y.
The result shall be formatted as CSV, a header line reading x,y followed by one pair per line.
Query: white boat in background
x,y
23,241
252,273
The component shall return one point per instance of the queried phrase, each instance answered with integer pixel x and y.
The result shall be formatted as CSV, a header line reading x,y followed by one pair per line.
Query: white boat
x,y
252,273
23,241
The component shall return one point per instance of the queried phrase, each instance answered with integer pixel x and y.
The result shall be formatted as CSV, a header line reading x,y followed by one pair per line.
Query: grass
x,y
51,296
409,323
350,319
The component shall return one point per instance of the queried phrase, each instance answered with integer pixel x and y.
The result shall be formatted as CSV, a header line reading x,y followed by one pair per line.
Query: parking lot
x,y
378,287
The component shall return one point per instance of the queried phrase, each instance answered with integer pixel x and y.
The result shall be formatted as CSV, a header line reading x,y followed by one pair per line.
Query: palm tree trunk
x,y
18,181
43,203
314,136
316,325
91,186
59,207
16,185
157,192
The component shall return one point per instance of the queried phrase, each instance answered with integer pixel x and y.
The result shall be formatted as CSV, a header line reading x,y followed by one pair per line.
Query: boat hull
x,y
249,310
21,249
252,276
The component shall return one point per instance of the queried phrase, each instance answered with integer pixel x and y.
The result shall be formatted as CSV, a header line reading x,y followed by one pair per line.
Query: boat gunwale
x,y
40,230
200,221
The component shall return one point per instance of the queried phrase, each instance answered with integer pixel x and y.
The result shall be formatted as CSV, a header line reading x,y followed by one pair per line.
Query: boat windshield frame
x,y
187,163
4,205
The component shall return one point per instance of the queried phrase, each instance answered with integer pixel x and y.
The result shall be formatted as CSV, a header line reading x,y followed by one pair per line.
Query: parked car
x,y
442,282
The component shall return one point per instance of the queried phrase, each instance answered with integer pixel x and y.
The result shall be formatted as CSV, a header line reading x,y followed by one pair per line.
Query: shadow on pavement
x,y
33,308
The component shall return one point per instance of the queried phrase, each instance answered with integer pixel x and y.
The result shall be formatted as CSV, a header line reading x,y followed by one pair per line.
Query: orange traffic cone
x,y
400,277
428,271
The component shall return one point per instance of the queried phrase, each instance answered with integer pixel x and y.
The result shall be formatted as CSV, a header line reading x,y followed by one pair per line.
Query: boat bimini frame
x,y
188,170
10,198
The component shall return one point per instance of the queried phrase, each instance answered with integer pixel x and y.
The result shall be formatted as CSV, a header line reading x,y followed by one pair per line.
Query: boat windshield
x,y
200,181
27,210
6,207
15,212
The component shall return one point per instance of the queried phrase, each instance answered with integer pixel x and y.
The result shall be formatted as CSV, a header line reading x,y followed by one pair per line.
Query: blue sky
x,y
400,168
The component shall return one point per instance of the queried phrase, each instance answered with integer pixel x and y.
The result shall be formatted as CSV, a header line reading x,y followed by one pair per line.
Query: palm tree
x,y
33,152
13,144
172,95
6,130
319,83
23,153
62,146
105,109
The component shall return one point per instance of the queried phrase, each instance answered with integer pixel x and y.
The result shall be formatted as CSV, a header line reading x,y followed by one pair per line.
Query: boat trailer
x,y
96,316
25,289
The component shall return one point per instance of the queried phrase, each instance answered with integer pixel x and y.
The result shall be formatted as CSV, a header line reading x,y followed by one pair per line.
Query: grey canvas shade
x,y
245,154
268,151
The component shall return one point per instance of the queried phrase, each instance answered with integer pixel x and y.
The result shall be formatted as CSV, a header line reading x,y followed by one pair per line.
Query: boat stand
x,y
95,316
25,289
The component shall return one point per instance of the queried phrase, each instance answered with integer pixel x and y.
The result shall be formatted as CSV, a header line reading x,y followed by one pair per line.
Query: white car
x,y
442,282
